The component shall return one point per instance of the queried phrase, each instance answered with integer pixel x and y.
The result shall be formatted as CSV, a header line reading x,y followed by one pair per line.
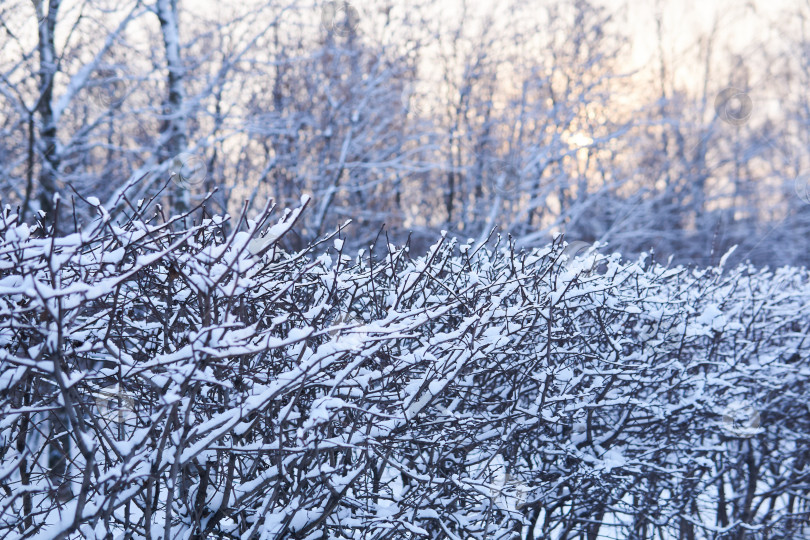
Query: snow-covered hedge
x,y
172,381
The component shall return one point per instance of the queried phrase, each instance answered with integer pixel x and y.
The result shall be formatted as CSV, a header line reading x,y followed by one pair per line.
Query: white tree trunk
x,y
174,119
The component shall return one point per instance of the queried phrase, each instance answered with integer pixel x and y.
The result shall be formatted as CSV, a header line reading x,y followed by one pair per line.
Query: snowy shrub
x,y
160,380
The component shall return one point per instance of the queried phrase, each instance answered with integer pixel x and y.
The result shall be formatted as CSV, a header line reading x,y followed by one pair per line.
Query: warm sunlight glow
x,y
579,140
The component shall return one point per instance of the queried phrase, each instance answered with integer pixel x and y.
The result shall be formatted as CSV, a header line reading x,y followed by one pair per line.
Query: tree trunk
x,y
173,128
47,131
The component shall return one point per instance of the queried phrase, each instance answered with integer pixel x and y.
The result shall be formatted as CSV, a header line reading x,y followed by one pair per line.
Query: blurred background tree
x,y
604,120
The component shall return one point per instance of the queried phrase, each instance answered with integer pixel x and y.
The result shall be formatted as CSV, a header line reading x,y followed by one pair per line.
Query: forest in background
x,y
525,116
194,343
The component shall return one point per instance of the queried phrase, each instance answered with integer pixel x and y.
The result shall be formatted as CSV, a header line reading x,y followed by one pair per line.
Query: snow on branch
x,y
204,381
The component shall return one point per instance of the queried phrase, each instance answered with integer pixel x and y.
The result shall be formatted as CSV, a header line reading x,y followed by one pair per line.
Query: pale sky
x,y
741,27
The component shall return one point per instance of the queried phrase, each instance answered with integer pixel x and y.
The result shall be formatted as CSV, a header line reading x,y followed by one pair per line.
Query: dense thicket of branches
x,y
425,116
190,378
